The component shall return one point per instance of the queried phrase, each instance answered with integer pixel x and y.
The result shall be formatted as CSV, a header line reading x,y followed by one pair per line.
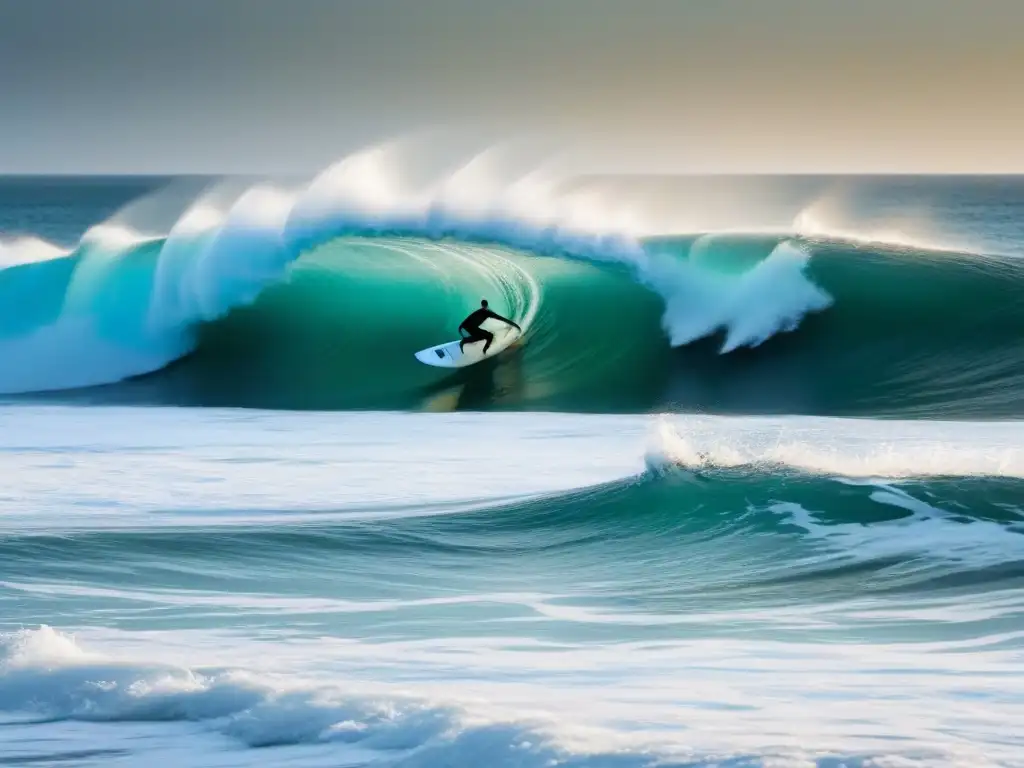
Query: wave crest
x,y
133,301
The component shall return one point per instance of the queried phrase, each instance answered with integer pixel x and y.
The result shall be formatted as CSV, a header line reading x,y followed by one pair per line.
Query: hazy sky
x,y
680,85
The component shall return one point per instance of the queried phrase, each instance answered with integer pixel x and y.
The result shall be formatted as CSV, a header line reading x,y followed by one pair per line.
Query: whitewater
x,y
751,493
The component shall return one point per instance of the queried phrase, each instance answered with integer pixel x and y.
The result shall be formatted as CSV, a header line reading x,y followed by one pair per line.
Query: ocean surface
x,y
751,493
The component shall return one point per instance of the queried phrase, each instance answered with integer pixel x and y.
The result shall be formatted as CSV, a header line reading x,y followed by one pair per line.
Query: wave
x,y
274,297
766,502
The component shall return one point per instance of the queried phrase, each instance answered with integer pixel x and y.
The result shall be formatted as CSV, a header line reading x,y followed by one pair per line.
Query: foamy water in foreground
x,y
205,587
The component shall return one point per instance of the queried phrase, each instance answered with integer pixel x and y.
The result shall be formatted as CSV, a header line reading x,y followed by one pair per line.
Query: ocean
x,y
751,493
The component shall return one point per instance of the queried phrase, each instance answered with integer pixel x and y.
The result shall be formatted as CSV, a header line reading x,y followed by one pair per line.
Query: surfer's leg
x,y
472,335
487,335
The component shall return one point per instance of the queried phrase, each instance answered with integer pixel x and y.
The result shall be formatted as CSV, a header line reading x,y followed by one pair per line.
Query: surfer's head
x,y
483,303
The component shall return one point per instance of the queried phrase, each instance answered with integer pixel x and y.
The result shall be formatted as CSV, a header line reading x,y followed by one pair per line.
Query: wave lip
x,y
840,448
28,250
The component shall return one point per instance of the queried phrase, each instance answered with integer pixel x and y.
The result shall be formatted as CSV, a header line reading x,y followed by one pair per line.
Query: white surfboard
x,y
448,355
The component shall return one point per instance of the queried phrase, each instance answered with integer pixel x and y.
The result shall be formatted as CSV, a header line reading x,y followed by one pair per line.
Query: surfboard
x,y
448,355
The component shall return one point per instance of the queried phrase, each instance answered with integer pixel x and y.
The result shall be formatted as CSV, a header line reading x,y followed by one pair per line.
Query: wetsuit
x,y
474,333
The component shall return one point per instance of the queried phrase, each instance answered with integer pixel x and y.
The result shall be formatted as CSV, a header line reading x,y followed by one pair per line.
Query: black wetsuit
x,y
474,333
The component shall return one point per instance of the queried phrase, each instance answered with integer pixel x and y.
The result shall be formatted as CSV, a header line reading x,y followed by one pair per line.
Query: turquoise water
x,y
751,494
277,307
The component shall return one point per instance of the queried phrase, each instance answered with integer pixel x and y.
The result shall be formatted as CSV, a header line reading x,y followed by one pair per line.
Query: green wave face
x,y
716,323
341,330
907,334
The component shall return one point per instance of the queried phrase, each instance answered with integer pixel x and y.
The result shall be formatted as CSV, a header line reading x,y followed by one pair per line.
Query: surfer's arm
x,y
496,316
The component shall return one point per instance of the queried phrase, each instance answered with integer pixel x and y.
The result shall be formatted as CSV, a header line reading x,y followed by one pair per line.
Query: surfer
x,y
471,325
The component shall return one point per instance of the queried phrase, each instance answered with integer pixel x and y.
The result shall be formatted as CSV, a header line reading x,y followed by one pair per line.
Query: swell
x,y
787,537
936,334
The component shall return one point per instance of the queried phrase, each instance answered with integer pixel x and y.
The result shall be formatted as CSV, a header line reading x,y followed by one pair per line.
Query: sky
x,y
674,86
